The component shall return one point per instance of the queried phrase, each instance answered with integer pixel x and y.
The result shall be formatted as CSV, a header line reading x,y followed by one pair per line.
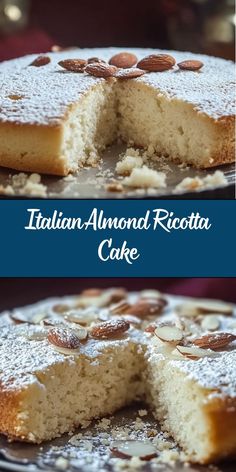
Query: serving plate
x,y
91,182
92,453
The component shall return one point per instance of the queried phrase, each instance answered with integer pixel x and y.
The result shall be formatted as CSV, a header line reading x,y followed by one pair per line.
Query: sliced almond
x,y
109,329
63,337
202,307
102,70
83,318
210,322
120,308
60,308
191,64
144,450
151,294
194,353
38,318
168,333
214,341
18,318
73,65
123,60
41,61
156,63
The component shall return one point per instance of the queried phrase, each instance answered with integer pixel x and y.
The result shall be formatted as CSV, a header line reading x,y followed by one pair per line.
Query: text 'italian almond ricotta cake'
x,y
58,110
66,361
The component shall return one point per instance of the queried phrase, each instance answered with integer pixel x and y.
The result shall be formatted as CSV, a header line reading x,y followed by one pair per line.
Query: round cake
x,y
58,110
66,361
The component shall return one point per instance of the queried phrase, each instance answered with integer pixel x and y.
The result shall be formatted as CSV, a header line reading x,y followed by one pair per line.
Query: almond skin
x,y
100,69
123,60
91,60
156,63
133,73
41,61
63,337
109,329
73,65
190,65
214,341
145,308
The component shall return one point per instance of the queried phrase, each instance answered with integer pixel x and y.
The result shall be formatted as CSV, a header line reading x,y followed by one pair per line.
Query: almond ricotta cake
x,y
59,110
66,361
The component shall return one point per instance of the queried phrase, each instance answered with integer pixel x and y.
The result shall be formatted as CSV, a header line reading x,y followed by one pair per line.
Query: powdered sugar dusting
x,y
41,96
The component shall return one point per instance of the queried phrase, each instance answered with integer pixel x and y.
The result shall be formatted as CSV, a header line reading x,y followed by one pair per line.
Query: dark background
x,y
15,292
198,25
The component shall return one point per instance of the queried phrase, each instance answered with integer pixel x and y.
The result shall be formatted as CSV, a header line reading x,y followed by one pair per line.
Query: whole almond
x,y
91,292
214,341
63,337
156,63
91,60
60,308
100,69
109,329
133,73
41,61
73,65
18,318
123,60
145,308
191,64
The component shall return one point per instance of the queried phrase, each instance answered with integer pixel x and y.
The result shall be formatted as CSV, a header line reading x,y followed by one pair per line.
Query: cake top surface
x,y
41,95
26,350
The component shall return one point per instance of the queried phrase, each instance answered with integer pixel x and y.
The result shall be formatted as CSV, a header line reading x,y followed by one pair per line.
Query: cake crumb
x,y
145,178
199,183
128,163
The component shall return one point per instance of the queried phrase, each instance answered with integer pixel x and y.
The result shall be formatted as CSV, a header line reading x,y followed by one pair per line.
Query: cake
x,y
66,361
54,120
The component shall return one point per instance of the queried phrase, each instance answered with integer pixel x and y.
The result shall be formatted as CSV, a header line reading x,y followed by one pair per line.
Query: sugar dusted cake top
x,y
41,95
94,316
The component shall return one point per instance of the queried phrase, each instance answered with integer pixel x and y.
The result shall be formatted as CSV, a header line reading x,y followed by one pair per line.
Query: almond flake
x,y
60,308
119,308
91,292
169,333
109,329
194,353
202,307
18,318
210,322
144,450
